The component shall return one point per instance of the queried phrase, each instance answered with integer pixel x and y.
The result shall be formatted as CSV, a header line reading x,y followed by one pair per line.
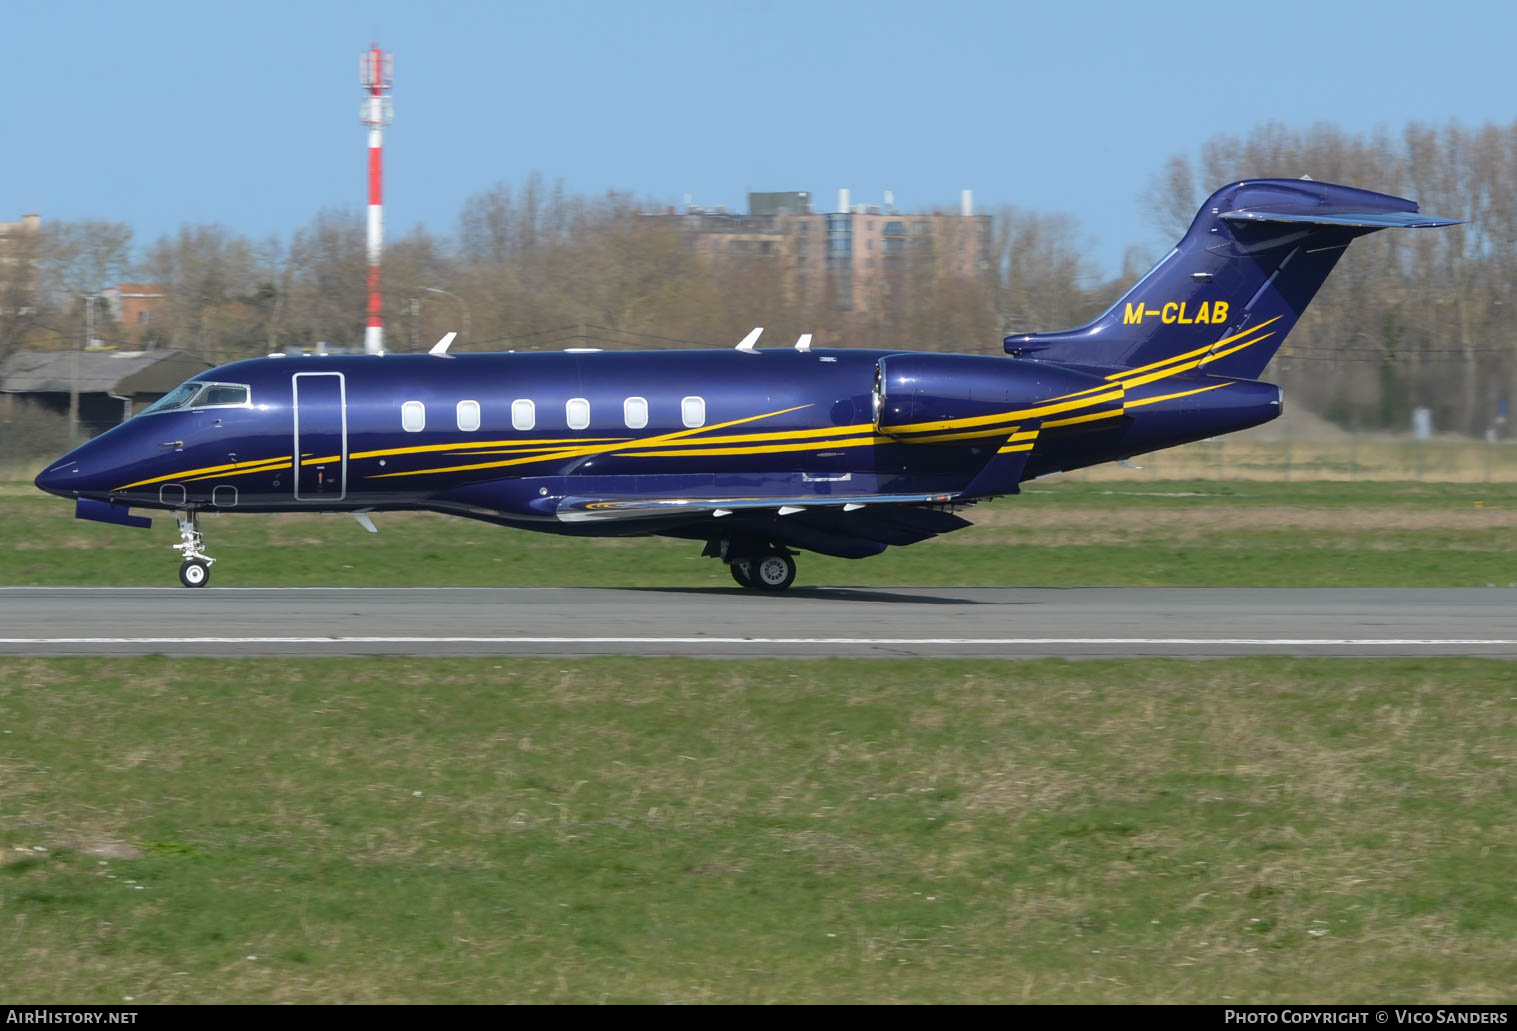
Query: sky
x,y
161,113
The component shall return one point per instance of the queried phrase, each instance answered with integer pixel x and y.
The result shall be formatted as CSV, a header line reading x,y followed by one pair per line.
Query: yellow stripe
x,y
198,473
1166,373
822,445
1192,354
475,444
241,472
756,438
506,447
1008,419
1026,413
471,452
763,449
1171,397
943,438
862,427
1166,361
1087,390
1223,354
1021,440
1092,417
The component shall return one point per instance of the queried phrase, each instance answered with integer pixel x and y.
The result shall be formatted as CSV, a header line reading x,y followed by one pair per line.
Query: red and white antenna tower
x,y
376,74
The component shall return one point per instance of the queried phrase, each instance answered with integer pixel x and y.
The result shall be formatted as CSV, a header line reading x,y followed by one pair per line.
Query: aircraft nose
x,y
58,478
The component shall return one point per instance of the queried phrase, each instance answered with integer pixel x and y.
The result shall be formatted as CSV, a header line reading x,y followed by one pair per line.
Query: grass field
x,y
1056,533
1266,455
618,830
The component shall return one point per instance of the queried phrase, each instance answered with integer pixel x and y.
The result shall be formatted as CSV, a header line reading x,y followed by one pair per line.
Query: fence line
x,y
1350,458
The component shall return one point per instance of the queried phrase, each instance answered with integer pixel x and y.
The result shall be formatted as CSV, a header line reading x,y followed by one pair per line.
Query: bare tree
x,y
328,283
83,257
220,289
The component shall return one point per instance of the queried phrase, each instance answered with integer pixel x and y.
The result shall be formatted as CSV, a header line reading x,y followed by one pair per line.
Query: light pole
x,y
376,70
73,387
461,305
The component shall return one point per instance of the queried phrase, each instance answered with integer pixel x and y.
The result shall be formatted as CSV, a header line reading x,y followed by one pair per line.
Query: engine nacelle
x,y
950,399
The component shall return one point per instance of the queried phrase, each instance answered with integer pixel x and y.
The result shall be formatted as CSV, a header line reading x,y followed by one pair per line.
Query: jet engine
x,y
948,399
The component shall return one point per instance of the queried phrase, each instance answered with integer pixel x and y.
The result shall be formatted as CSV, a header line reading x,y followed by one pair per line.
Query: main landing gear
x,y
195,570
772,571
768,568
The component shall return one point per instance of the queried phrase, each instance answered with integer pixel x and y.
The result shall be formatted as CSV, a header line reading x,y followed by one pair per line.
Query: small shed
x,y
111,384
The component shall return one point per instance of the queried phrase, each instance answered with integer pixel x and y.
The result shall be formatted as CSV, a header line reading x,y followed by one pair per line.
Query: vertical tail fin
x,y
1235,285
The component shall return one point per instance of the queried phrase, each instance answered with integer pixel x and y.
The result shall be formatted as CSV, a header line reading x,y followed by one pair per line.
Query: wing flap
x,y
588,510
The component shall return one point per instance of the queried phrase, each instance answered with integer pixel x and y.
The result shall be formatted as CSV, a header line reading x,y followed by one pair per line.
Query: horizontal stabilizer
x,y
1363,219
587,510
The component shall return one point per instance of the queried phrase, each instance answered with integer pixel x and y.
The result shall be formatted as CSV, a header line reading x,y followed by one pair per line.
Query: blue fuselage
x,y
507,437
842,452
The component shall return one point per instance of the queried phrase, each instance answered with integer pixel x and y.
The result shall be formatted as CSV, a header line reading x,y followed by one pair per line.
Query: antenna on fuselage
x,y
750,339
804,343
441,347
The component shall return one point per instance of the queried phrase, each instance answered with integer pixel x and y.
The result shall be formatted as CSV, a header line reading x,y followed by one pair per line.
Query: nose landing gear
x,y
195,570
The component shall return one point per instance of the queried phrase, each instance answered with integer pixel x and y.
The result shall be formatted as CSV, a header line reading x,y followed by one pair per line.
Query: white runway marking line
x,y
1292,642
229,590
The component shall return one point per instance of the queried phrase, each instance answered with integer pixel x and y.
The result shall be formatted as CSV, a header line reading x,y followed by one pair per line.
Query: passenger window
x,y
523,414
578,413
635,410
468,416
692,411
413,416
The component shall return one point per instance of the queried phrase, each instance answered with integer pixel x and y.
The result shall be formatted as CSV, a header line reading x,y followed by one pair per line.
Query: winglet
x,y
1002,474
750,339
441,347
804,343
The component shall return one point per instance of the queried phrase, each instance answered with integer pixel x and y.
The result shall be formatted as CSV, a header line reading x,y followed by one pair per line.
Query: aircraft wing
x,y
587,510
1001,475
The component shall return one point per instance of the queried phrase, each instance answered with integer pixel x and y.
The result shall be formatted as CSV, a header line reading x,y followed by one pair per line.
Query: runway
x,y
807,622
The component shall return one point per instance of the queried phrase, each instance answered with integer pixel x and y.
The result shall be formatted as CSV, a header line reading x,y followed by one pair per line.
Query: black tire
x,y
773,572
194,573
742,572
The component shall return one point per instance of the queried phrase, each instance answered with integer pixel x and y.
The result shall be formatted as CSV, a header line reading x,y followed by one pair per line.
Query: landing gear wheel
x,y
742,572
773,572
194,573
195,570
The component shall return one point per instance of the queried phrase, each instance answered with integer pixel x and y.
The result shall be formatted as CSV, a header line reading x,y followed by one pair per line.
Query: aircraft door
x,y
321,436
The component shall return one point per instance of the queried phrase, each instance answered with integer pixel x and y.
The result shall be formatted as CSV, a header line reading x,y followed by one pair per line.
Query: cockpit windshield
x,y
195,394
217,394
179,397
